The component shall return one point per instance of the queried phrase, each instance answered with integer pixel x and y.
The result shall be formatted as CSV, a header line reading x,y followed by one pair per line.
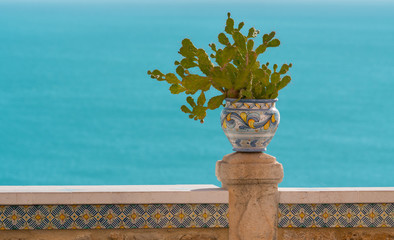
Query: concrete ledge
x,y
336,195
151,194
134,194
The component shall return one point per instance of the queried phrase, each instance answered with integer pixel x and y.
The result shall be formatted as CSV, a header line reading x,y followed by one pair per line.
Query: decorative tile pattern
x,y
113,216
250,124
252,104
187,216
336,215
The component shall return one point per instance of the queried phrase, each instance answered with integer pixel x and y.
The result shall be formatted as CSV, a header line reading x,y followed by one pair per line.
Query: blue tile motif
x,y
113,216
336,215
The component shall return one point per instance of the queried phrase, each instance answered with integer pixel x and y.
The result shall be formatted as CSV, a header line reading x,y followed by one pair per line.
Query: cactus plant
x,y
236,74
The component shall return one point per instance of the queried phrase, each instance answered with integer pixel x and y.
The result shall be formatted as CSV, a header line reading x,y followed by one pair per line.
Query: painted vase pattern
x,y
250,124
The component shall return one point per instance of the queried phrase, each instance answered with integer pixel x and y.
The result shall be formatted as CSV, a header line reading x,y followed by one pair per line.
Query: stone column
x,y
252,181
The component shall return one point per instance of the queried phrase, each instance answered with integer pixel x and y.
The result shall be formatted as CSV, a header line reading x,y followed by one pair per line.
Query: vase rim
x,y
252,100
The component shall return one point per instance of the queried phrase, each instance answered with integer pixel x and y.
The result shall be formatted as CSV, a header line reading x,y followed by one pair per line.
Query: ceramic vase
x,y
250,124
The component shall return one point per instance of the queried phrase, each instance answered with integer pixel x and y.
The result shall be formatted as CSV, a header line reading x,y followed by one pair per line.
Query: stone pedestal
x,y
252,181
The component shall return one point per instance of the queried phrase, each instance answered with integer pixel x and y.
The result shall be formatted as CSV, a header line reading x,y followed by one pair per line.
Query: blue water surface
x,y
77,107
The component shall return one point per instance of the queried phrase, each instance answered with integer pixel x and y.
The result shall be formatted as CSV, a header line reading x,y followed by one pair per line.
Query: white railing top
x,y
111,194
150,194
337,195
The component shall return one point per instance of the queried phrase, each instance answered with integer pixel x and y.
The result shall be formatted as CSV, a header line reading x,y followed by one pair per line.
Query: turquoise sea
x,y
77,107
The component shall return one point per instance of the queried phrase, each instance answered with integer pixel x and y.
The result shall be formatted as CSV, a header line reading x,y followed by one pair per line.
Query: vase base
x,y
250,149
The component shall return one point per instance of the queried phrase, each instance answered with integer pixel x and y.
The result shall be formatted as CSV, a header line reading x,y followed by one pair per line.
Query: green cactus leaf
x,y
224,56
253,33
275,77
195,82
180,71
219,57
261,49
219,79
213,47
221,82
262,77
275,67
250,45
237,62
229,26
246,93
274,43
156,74
283,83
223,39
268,37
228,54
273,95
172,79
257,87
268,71
242,80
187,49
216,101
252,57
204,63
240,26
201,99
284,69
185,109
270,89
262,94
200,111
176,89
190,100
240,41
257,63
188,63
231,73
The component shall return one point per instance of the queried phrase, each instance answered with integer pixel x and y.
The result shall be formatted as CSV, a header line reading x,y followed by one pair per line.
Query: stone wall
x,y
198,234
336,234
118,234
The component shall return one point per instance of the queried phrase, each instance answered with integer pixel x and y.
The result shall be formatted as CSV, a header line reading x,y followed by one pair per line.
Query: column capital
x,y
249,168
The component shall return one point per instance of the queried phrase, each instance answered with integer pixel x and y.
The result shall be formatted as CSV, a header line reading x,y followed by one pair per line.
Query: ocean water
x,y
77,107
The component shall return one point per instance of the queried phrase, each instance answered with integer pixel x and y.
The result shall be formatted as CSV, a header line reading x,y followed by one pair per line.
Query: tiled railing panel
x,y
336,215
113,216
104,216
